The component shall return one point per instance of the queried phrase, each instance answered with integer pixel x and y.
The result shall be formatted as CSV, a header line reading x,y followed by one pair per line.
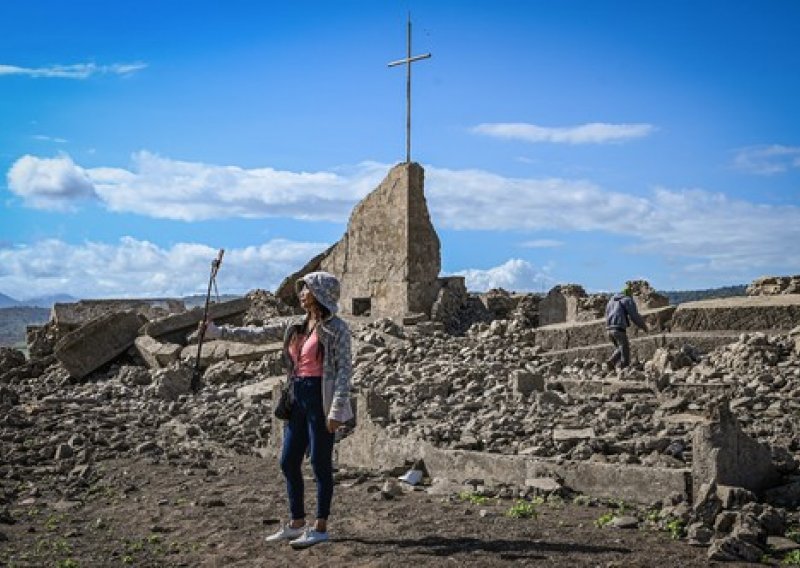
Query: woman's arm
x,y
341,410
273,331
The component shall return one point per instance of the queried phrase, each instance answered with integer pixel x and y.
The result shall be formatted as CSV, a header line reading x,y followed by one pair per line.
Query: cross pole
x,y
407,62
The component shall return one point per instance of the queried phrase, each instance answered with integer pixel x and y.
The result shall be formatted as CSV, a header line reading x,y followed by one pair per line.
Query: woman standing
x,y
317,352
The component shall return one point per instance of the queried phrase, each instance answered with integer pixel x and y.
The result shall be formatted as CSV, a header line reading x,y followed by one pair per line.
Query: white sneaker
x,y
310,537
286,532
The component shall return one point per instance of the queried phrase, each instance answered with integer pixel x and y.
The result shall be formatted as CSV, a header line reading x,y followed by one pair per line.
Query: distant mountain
x,y
14,320
47,301
7,301
680,296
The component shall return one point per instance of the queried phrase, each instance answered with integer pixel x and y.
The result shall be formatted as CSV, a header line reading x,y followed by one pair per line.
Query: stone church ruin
x,y
496,394
388,260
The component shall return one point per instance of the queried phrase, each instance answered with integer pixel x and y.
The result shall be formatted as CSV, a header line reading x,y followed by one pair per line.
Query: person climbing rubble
x,y
620,313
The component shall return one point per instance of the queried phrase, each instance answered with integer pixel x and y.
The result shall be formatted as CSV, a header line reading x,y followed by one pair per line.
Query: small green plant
x,y
676,528
52,522
792,559
620,505
474,498
153,539
61,546
522,510
127,559
67,563
794,534
653,515
604,519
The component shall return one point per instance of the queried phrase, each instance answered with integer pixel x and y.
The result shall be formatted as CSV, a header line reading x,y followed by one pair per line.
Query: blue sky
x,y
563,141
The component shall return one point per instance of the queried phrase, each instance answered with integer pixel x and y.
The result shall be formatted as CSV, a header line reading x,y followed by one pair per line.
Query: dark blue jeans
x,y
307,427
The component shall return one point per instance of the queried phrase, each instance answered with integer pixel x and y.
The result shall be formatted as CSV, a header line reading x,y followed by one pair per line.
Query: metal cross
x,y
407,62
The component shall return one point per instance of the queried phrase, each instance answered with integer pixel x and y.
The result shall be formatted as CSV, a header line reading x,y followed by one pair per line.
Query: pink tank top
x,y
307,364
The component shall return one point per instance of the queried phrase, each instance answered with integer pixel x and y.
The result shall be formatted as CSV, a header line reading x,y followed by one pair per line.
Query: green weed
x,y
792,559
522,510
604,519
676,528
474,498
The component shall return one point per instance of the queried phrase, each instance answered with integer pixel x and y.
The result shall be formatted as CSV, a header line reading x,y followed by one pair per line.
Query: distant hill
x,y
36,302
13,321
47,301
680,296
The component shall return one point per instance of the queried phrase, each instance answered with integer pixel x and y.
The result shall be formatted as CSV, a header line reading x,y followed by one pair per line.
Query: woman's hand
x,y
333,425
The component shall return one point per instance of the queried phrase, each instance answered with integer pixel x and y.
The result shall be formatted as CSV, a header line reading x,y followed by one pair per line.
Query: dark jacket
x,y
621,311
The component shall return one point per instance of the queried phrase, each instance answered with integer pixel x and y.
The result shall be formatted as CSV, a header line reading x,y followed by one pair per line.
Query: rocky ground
x,y
215,512
126,466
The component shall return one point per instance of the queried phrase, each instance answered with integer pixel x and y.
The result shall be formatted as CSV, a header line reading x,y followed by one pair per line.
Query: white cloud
x,y
49,183
515,275
706,229
136,268
192,191
542,243
45,138
768,160
592,133
76,71
479,200
722,235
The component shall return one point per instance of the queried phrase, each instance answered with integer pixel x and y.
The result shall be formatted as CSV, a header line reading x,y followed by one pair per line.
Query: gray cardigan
x,y
334,335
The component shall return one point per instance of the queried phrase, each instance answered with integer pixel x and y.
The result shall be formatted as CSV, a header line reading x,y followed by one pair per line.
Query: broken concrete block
x,y
215,351
98,342
525,382
156,354
224,372
256,392
572,434
170,383
75,314
373,406
725,455
188,321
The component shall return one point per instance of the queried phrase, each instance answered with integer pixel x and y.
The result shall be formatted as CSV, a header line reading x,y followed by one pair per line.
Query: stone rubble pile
x,y
774,285
494,390
490,389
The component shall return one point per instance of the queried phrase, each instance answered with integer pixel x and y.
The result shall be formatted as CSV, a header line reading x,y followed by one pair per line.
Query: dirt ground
x,y
216,514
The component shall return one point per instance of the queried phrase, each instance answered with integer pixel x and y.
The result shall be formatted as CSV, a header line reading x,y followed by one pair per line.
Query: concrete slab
x,y
218,350
643,347
74,314
370,447
562,336
98,342
187,321
256,392
157,355
740,313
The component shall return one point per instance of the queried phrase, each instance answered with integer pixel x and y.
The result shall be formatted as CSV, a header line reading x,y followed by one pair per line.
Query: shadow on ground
x,y
509,549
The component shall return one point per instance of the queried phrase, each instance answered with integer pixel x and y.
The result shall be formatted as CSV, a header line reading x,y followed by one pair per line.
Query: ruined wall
x,y
561,304
388,261
774,285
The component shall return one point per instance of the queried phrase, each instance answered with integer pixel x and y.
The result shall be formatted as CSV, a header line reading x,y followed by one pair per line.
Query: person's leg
x,y
295,442
321,442
615,356
625,349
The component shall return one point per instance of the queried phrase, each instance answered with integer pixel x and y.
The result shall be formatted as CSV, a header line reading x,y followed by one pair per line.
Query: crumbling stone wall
x,y
561,304
774,285
389,259
645,296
